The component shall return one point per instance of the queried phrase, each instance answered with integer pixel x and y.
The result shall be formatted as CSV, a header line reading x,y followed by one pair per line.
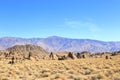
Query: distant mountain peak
x,y
55,37
58,44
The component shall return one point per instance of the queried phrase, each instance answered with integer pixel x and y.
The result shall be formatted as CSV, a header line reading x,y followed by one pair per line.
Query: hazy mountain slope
x,y
7,42
62,44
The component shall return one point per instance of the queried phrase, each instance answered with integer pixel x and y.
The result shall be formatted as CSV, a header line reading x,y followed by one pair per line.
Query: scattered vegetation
x,y
79,69
70,67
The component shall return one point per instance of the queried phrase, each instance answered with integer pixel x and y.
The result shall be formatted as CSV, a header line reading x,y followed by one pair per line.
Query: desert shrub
x,y
44,70
70,77
96,77
77,78
93,78
22,77
107,67
30,74
98,67
71,72
57,76
46,74
99,76
117,70
87,72
117,76
5,79
85,67
108,73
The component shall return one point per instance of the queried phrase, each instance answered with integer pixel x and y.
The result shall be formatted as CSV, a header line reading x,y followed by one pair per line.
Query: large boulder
x,y
71,56
85,54
52,56
106,55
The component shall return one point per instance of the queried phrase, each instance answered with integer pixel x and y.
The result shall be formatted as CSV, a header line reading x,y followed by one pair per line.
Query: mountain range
x,y
59,44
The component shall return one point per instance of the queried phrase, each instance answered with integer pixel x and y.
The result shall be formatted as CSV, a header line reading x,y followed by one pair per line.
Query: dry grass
x,y
82,69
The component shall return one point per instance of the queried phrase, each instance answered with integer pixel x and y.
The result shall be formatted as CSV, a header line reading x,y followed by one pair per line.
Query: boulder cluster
x,y
21,53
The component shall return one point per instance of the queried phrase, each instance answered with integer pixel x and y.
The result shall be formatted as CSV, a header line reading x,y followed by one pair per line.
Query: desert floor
x,y
80,69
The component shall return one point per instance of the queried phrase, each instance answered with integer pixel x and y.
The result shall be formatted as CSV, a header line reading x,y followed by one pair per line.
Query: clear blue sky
x,y
87,19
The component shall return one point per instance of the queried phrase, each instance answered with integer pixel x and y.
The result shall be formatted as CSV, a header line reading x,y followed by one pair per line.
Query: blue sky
x,y
87,19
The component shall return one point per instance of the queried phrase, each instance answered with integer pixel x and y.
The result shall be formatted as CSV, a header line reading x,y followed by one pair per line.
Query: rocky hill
x,y
59,44
26,49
